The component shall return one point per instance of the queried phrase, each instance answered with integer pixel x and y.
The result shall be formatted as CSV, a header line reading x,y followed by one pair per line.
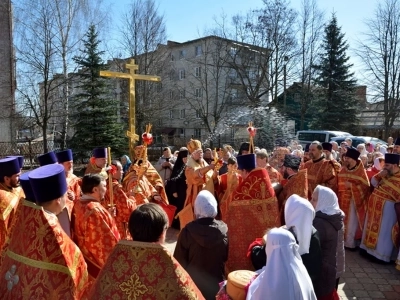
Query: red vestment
x,y
227,184
296,184
41,261
387,190
252,210
320,172
371,172
92,168
73,183
137,270
94,231
358,192
141,188
274,175
124,207
9,199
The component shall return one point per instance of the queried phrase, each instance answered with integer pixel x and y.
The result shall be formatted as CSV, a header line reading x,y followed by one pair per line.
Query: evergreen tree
x,y
95,119
334,104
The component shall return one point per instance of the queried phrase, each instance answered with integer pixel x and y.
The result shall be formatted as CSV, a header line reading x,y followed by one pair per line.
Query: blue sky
x,y
187,19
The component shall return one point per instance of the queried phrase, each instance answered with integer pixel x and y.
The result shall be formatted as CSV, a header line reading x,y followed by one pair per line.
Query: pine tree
x,y
95,119
334,104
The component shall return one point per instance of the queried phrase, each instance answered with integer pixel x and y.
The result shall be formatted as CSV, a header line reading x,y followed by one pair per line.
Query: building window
x,y
182,94
198,51
197,133
233,51
198,113
174,114
182,114
171,95
199,93
197,72
182,54
182,132
181,74
172,57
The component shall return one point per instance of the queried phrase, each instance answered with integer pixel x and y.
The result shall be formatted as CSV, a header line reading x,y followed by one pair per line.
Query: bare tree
x,y
310,30
143,33
380,53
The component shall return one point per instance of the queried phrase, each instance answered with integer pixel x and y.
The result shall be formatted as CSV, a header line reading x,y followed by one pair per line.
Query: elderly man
x,y
320,171
10,195
253,208
47,159
165,164
297,182
381,216
199,174
98,162
262,162
65,159
353,185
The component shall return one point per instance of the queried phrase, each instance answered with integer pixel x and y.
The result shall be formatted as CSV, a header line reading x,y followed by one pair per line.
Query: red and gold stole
x,y
359,193
388,190
137,270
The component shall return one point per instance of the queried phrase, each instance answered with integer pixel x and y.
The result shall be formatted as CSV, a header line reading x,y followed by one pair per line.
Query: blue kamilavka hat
x,y
246,161
9,166
47,159
100,152
20,160
392,158
26,186
64,156
48,182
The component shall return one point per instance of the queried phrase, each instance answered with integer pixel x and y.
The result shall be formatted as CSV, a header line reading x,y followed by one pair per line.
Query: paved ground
x,y
363,279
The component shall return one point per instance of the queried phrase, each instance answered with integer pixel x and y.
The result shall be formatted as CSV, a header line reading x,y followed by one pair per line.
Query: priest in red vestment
x,y
98,161
10,195
143,268
65,158
124,204
93,227
41,261
252,210
48,158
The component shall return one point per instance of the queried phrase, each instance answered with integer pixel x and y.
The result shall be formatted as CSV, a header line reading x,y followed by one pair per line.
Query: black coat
x,y
177,184
328,228
202,250
311,260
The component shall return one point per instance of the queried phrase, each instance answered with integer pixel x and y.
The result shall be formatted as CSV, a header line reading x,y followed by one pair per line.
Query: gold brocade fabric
x,y
93,169
274,175
322,172
227,184
137,270
252,210
9,200
124,206
142,189
94,231
41,261
387,190
73,183
358,192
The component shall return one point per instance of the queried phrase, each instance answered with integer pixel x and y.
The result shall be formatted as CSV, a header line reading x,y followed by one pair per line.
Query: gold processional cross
x,y
132,76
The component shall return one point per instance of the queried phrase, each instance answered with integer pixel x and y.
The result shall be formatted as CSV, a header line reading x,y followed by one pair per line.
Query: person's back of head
x,y
148,223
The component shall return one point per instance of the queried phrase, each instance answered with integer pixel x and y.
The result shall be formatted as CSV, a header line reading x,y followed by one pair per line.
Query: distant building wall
x,y
7,72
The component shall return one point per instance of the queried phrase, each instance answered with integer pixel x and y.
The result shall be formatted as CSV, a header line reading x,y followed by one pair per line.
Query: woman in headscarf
x,y
284,276
379,162
202,246
329,223
126,163
176,185
299,216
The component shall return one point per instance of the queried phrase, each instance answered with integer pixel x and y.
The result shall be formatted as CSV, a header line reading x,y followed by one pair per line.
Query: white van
x,y
308,136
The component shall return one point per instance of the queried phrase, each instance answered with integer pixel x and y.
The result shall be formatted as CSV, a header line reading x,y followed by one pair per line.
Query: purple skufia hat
x,y
47,159
26,186
100,152
20,160
392,158
64,156
9,166
246,161
48,182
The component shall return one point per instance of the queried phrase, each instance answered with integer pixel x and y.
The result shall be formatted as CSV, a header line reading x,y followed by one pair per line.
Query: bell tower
x,y
7,73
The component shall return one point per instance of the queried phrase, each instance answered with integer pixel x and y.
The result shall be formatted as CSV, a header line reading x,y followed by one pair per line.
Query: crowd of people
x,y
283,217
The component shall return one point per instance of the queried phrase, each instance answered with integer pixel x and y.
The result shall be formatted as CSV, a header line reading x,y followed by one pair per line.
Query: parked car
x,y
359,140
308,136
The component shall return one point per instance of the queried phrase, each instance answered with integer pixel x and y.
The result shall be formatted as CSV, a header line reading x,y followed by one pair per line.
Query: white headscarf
x,y
205,205
377,163
284,277
299,213
327,201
